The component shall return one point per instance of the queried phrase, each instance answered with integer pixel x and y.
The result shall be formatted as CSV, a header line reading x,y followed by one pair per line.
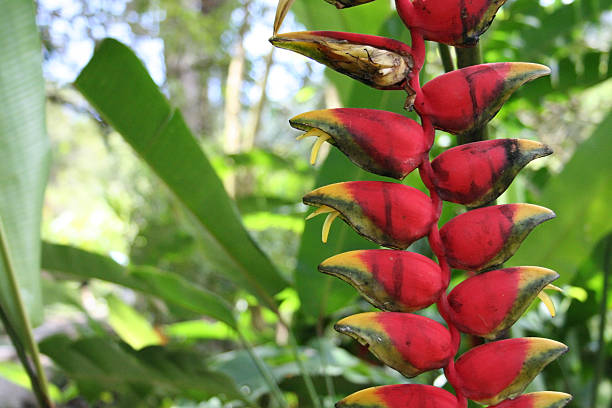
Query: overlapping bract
x,y
486,305
496,371
477,173
393,215
390,214
486,237
466,99
378,141
401,395
408,343
394,281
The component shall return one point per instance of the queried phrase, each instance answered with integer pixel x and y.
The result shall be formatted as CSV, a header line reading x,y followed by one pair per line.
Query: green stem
x,y
40,380
601,350
329,381
312,392
465,58
23,357
446,57
264,371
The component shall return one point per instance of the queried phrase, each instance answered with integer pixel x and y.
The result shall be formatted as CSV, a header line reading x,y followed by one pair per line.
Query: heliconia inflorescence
x,y
393,215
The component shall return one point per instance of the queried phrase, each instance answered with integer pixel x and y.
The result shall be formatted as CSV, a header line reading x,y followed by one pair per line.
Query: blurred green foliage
x,y
160,289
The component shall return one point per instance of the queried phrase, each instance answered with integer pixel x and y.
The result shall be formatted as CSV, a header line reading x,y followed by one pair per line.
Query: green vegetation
x,y
175,267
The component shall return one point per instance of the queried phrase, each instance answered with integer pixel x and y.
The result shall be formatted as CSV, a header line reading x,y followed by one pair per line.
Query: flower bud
x,y
487,304
485,237
477,173
400,395
408,343
379,62
390,214
502,369
453,22
378,141
466,99
542,399
396,281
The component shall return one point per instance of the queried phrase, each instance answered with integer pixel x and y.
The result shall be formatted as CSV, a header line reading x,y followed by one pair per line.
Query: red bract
x,y
542,399
380,142
452,22
390,214
495,371
466,99
486,237
396,281
401,395
408,343
393,215
477,173
487,304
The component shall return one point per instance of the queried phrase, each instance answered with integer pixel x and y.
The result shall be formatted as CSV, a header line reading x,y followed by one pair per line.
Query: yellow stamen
x,y
550,286
312,132
548,303
321,210
316,147
327,225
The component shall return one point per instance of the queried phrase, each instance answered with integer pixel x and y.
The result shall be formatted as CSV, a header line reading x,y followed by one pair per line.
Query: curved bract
x,y
541,399
466,99
452,22
408,343
477,173
486,305
395,281
379,62
400,395
378,141
390,214
502,369
485,237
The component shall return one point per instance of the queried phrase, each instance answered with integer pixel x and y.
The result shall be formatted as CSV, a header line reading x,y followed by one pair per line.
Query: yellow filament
x,y
321,210
553,287
316,147
548,303
327,225
312,132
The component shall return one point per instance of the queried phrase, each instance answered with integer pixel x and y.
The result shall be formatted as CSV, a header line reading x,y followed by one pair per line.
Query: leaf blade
x,y
117,84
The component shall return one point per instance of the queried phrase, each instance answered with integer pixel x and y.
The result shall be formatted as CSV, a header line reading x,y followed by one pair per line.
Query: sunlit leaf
x,y
24,159
117,84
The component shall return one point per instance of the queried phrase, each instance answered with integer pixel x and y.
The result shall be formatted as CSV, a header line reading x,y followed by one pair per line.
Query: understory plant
x,y
393,215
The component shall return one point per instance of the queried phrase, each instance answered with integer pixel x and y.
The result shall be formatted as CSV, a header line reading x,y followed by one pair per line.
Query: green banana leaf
x,y
24,160
98,364
77,263
117,84
580,196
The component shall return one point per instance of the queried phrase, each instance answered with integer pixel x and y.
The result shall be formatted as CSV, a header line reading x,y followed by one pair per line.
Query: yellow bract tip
x,y
548,303
281,11
327,225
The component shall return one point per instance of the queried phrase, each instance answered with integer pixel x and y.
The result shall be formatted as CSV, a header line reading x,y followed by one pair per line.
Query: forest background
x,y
143,304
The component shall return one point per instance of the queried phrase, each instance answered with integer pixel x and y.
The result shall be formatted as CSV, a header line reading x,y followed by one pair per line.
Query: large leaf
x,y
24,158
99,364
581,197
321,294
117,84
80,264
